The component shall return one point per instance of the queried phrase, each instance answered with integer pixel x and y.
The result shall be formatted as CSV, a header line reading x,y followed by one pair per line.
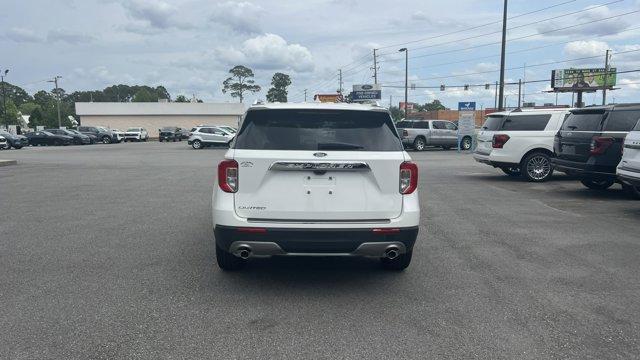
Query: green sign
x,y
582,79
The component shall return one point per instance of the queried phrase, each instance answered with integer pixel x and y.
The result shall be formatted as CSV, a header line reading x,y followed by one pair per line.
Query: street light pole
x,y
4,97
55,80
502,56
406,81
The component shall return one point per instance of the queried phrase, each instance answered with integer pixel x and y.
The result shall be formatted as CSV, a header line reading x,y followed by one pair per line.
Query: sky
x,y
188,46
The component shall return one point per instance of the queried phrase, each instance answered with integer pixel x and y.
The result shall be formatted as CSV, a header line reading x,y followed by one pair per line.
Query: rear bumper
x,y
303,241
489,160
629,176
583,170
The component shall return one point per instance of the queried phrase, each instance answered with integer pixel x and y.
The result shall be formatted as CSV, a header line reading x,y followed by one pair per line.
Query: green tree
x,y
27,108
278,90
396,113
15,93
432,106
162,93
181,99
36,118
240,82
144,95
11,113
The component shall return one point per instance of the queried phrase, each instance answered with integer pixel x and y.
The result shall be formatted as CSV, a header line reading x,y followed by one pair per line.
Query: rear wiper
x,y
339,146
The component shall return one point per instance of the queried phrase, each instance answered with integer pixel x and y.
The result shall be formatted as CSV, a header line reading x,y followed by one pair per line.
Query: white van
x,y
520,142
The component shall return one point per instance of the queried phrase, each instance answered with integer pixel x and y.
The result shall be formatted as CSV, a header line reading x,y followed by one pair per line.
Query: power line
x,y
477,26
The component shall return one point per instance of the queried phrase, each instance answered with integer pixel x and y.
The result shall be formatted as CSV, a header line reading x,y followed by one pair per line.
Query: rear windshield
x,y
583,121
622,120
526,122
295,129
493,123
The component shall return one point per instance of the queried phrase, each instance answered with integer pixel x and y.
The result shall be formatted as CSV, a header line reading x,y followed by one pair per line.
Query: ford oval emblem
x,y
367,87
320,154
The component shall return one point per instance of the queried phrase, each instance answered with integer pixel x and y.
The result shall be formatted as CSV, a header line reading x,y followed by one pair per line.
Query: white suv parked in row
x,y
208,135
629,168
316,179
520,142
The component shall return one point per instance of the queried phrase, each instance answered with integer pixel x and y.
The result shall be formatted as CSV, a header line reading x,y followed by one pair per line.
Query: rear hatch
x,y
492,124
318,165
631,157
573,141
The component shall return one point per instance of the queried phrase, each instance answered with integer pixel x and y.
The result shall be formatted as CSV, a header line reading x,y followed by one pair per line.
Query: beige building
x,y
153,116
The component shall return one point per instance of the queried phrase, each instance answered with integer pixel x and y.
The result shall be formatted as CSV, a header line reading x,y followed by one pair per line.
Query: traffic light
x,y
466,87
442,87
487,86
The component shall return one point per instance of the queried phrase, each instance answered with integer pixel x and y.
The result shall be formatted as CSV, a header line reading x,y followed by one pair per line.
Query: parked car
x,y
4,144
589,144
102,134
92,138
170,133
629,168
229,129
119,134
202,136
316,179
78,139
520,142
419,134
47,138
14,141
136,134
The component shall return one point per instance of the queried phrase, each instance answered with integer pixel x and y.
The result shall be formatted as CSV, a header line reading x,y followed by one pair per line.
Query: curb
x,y
8,162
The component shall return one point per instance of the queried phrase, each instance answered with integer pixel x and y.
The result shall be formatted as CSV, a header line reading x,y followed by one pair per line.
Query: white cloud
x,y
599,27
23,35
268,51
68,37
156,13
578,49
242,17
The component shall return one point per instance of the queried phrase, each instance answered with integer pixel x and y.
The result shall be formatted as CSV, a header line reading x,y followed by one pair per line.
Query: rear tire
x,y
465,143
597,184
106,140
227,261
511,171
419,144
196,144
633,191
536,167
398,264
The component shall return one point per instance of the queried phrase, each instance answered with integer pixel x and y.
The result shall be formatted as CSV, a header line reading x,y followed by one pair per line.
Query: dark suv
x,y
170,133
590,142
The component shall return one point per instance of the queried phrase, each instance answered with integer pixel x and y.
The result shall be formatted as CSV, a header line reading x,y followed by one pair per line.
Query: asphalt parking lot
x,y
106,251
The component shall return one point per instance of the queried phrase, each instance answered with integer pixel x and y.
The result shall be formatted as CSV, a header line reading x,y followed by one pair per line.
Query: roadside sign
x,y
467,106
366,92
466,120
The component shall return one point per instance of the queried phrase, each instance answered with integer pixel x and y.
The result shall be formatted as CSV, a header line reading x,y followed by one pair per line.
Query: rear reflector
x,y
252,230
384,231
228,176
408,177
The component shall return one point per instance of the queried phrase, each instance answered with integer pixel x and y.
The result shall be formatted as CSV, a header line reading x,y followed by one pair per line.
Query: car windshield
x,y
294,129
46,133
584,121
493,123
167,129
134,129
102,128
73,131
637,127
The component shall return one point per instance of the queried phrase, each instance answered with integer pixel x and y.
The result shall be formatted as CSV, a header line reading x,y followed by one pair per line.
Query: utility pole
x,y
340,80
4,97
375,67
519,93
55,81
390,101
305,95
502,55
524,81
406,81
606,76
495,102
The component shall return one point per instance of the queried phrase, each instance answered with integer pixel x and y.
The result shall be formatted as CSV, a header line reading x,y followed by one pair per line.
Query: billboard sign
x,y
366,92
582,79
409,106
467,106
328,98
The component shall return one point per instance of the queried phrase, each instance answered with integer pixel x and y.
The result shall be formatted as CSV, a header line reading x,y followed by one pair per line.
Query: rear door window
x,y
493,123
526,122
584,121
440,125
450,126
421,125
299,129
622,120
404,124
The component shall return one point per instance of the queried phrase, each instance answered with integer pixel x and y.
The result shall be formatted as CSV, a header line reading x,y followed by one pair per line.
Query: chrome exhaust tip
x,y
244,252
391,253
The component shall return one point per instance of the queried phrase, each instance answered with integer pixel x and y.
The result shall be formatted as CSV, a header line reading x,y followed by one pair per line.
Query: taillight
x,y
405,133
408,177
499,140
228,176
385,231
600,144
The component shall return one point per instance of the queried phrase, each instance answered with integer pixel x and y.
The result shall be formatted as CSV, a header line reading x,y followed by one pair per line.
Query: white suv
x,y
520,142
629,168
316,179
137,134
208,135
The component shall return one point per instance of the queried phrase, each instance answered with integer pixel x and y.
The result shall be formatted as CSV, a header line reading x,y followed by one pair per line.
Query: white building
x,y
153,116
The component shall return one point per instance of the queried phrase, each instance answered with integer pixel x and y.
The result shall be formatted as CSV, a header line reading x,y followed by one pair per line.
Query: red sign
x,y
328,98
409,106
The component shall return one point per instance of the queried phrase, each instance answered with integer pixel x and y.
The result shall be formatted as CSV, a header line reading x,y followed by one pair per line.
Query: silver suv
x,y
419,134
208,135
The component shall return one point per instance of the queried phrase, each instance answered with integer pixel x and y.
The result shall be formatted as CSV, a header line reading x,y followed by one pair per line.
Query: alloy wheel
x,y
538,167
